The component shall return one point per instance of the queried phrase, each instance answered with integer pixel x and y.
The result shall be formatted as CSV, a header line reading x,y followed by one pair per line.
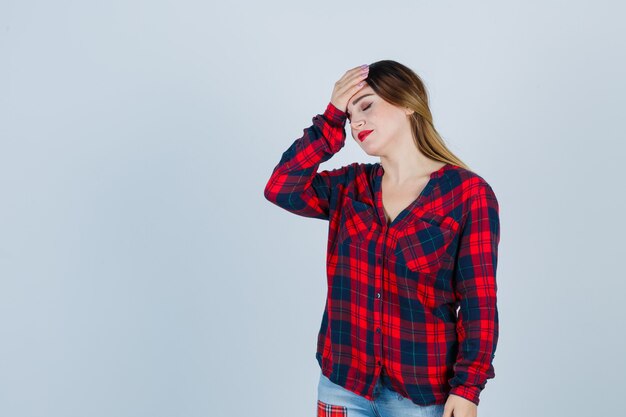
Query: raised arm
x,y
295,184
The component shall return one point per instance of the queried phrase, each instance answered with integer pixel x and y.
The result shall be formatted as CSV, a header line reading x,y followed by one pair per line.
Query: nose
x,y
357,124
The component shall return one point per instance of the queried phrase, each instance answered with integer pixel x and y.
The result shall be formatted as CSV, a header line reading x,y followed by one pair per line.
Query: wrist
x,y
470,393
334,115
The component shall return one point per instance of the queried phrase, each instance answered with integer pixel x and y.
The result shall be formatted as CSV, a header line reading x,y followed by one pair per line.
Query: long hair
x,y
401,86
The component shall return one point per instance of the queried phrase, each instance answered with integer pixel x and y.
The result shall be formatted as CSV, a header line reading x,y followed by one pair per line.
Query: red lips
x,y
363,134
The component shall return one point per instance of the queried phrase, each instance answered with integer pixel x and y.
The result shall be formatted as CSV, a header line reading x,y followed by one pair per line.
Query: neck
x,y
409,167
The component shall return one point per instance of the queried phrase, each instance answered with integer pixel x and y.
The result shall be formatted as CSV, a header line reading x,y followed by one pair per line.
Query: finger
x,y
350,91
353,81
357,87
354,73
359,73
348,85
357,69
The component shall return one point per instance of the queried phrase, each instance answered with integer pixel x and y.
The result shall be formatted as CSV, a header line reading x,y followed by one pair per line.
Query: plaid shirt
x,y
416,296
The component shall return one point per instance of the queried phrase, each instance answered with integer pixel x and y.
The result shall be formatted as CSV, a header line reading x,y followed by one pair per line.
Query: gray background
x,y
142,272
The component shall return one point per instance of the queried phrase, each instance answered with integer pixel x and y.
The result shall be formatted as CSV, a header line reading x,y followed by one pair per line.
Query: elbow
x,y
268,193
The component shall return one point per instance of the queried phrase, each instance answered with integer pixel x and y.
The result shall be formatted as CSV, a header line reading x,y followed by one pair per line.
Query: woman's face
x,y
387,123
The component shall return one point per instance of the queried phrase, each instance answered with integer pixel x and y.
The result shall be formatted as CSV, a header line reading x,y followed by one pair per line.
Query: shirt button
x,y
379,362
377,295
379,260
378,330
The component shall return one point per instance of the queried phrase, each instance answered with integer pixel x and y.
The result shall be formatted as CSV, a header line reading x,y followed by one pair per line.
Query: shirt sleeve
x,y
295,184
475,288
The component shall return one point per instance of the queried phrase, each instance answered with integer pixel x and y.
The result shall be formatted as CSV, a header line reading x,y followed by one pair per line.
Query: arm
x,y
475,288
295,184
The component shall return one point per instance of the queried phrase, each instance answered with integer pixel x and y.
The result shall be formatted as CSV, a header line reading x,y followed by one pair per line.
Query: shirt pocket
x,y
423,244
356,221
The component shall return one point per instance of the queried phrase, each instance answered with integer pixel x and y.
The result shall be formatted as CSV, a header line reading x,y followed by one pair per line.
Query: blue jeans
x,y
335,401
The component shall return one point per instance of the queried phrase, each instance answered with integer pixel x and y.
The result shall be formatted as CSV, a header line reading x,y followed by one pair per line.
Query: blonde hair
x,y
402,87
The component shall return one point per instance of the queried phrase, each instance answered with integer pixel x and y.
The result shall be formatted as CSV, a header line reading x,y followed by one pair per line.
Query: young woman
x,y
410,325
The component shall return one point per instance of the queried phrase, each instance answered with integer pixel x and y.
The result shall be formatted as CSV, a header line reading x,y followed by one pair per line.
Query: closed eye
x,y
368,106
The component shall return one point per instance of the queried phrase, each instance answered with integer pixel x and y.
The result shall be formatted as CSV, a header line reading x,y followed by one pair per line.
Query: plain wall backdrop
x,y
142,271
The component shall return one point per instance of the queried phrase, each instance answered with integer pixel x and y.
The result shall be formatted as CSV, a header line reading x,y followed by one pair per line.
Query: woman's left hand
x,y
457,406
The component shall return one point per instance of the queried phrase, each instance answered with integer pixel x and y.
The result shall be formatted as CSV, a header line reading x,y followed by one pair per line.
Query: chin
x,y
372,152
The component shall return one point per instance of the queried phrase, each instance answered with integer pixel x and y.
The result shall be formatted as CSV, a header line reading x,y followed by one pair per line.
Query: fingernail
x,y
364,66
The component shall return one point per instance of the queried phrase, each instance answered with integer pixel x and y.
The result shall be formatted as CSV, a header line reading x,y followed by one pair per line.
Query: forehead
x,y
365,90
362,92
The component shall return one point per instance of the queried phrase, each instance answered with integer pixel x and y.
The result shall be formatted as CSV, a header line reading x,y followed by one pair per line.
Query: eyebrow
x,y
357,100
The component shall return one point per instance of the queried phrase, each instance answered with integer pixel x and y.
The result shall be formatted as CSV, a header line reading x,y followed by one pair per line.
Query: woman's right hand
x,y
348,85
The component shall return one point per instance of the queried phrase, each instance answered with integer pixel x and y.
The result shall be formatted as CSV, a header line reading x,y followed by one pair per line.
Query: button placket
x,y
379,286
